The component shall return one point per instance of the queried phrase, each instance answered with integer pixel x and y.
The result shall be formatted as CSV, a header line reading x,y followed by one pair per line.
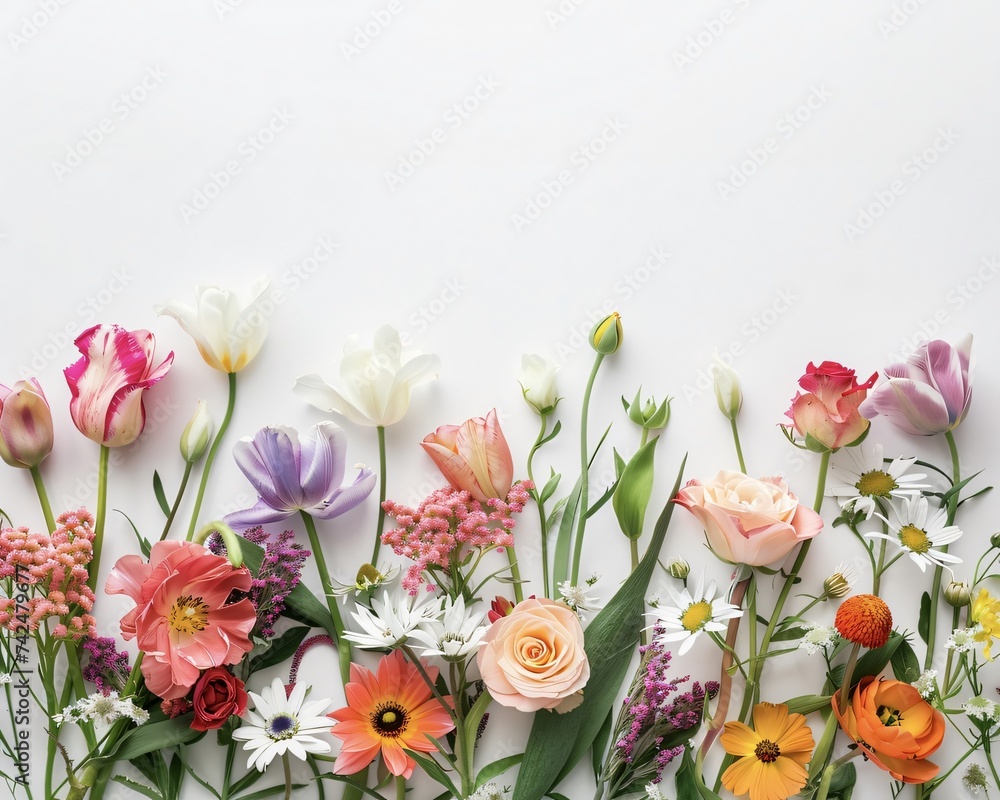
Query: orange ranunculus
x,y
473,457
897,728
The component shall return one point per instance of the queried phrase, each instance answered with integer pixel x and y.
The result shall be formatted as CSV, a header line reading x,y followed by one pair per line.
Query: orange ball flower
x,y
772,756
897,728
864,619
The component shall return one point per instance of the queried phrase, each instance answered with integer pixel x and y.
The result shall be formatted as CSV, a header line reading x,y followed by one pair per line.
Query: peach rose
x,y
534,658
749,521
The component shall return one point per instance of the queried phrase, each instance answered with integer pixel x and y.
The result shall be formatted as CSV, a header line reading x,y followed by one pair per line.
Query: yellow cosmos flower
x,y
771,756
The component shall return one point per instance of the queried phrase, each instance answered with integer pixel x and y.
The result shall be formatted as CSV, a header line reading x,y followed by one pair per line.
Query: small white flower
x,y
962,640
456,636
6,678
870,479
279,725
818,637
692,614
538,382
653,792
982,708
101,708
392,619
488,791
577,599
926,684
918,532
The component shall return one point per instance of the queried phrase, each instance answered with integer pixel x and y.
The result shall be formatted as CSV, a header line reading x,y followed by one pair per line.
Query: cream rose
x,y
534,658
749,521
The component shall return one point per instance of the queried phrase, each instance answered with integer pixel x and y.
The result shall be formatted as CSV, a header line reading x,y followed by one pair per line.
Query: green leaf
x,y
808,703
282,648
619,463
558,741
601,744
842,782
550,486
352,783
135,786
555,796
815,445
161,496
789,634
497,768
433,769
552,435
143,542
301,604
905,664
690,785
560,558
634,490
151,737
246,782
924,621
175,776
608,493
597,449
271,791
874,661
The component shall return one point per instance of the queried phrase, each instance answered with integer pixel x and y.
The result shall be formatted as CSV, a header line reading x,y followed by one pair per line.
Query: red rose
x,y
218,695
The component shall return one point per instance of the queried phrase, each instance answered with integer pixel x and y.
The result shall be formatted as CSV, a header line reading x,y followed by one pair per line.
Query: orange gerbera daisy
x,y
772,756
388,712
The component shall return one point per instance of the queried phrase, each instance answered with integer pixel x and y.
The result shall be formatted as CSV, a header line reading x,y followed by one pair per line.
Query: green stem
x,y
43,498
381,494
822,752
845,687
880,565
584,472
288,775
515,573
543,527
177,500
754,690
343,645
739,449
955,613
102,513
633,545
824,786
400,787
956,470
463,759
227,775
216,442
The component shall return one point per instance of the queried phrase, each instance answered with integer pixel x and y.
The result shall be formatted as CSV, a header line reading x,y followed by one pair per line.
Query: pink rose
x,y
828,411
533,658
749,521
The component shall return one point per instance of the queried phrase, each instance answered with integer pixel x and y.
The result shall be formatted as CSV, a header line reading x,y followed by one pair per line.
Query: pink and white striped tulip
x,y
108,381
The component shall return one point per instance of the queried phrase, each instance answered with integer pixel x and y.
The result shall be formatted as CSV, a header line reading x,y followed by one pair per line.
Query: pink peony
x,y
181,621
749,521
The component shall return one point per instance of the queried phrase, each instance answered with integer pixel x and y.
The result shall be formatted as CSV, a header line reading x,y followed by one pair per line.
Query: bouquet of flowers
x,y
440,625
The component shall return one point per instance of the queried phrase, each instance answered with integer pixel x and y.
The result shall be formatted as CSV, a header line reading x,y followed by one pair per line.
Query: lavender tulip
x,y
929,393
294,473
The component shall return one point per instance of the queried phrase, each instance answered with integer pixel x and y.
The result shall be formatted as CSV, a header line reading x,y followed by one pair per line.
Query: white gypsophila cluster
x,y
982,708
102,708
488,791
962,640
818,637
926,684
653,792
577,599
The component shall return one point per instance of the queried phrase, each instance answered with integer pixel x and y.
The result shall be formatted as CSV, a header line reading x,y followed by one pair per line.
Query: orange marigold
x,y
864,619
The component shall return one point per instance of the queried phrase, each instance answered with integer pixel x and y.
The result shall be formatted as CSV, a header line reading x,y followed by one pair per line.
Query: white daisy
x,y
391,620
917,531
279,725
818,637
926,684
577,599
982,708
692,614
456,636
962,640
868,479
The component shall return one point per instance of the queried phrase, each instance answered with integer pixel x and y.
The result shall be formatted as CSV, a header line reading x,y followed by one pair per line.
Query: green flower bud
x,y
650,415
678,568
837,585
727,388
995,540
958,594
606,335
197,434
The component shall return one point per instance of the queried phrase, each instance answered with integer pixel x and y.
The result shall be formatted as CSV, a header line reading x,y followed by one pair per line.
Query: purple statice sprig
x,y
656,722
106,667
279,573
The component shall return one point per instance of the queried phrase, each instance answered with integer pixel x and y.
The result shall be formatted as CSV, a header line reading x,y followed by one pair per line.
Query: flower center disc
x,y
282,726
696,615
889,716
767,751
390,720
913,538
876,484
188,614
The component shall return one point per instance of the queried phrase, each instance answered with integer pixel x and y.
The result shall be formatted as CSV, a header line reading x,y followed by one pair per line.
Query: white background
x,y
823,178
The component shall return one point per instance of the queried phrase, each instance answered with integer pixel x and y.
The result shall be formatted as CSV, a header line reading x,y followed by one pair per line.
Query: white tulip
x,y
538,382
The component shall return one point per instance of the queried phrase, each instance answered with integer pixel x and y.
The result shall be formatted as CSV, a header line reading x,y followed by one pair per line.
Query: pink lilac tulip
x,y
25,424
473,456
